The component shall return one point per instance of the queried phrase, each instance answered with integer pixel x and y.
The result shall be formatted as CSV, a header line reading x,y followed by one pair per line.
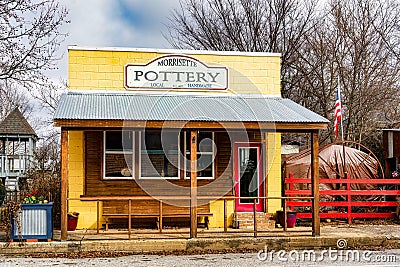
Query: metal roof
x,y
182,107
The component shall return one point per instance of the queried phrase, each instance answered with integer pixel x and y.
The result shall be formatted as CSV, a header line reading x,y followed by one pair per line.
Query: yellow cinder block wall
x,y
104,69
76,178
217,209
274,187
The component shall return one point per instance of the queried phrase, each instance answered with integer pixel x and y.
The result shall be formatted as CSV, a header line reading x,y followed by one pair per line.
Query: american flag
x,y
338,113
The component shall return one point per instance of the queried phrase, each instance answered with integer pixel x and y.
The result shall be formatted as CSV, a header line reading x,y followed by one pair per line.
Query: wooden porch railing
x,y
347,204
131,199
14,165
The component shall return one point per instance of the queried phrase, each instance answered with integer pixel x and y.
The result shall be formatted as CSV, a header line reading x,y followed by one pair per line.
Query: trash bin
x,y
291,218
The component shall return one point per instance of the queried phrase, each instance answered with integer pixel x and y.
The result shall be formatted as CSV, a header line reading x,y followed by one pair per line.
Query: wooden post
x,y
255,216
64,183
349,198
129,218
315,184
265,170
225,217
160,221
98,215
291,187
193,184
284,215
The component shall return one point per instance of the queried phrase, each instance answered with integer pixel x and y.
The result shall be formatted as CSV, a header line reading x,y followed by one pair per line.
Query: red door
x,y
248,176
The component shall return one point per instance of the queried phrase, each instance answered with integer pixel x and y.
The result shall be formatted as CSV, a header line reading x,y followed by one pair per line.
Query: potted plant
x,y
291,217
35,219
72,220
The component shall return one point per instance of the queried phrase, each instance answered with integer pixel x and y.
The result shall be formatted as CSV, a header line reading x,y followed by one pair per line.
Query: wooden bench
x,y
151,209
108,217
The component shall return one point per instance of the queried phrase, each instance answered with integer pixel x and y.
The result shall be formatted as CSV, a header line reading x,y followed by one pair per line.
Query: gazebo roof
x,y
16,124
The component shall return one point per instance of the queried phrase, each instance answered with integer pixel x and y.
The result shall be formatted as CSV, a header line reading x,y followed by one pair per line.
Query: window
x,y
118,154
159,154
205,155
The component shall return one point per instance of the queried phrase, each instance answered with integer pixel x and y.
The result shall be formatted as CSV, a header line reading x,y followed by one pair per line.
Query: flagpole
x,y
340,100
341,127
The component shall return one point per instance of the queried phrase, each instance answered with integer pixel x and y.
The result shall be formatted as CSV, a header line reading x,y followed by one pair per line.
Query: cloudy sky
x,y
114,23
126,23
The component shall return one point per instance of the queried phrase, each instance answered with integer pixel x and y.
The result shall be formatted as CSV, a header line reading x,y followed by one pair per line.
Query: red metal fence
x,y
376,203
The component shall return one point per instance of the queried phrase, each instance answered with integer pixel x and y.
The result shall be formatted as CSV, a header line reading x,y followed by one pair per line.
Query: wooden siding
x,y
150,207
97,186
222,185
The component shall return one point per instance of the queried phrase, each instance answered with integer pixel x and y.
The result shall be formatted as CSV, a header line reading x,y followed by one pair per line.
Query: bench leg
x,y
206,221
106,224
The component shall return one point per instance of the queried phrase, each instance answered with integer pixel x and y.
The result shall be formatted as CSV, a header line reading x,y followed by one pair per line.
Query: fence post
x,y
255,216
284,215
129,218
160,220
291,176
98,215
225,217
349,198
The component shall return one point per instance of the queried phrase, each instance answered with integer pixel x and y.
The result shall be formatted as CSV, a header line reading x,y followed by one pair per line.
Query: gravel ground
x,y
373,258
226,258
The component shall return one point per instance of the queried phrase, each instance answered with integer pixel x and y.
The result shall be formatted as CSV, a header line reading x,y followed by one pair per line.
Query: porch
x,y
252,117
228,230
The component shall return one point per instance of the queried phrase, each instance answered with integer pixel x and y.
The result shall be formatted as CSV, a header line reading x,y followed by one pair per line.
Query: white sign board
x,y
176,72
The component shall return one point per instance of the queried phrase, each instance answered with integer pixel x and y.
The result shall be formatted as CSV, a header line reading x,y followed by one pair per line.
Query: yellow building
x,y
145,130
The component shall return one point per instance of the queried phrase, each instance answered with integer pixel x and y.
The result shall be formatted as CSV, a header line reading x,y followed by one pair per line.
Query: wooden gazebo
x,y
17,143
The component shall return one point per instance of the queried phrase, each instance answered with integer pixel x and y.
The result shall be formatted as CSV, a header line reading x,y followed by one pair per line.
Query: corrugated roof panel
x,y
175,107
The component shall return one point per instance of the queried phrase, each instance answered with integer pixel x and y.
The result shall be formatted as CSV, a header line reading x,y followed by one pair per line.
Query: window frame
x,y
187,153
132,152
141,135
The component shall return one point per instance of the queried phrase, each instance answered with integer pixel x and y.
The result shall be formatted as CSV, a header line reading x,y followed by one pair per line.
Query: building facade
x,y
171,124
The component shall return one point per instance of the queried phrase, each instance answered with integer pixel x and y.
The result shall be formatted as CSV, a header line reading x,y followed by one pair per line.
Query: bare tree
x,y
11,98
29,38
345,46
352,44
243,25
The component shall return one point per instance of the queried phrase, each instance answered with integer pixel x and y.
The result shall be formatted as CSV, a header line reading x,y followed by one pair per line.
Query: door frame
x,y
248,207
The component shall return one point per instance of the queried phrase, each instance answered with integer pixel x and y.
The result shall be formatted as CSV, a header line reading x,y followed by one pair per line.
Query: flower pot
x,y
291,217
72,223
36,222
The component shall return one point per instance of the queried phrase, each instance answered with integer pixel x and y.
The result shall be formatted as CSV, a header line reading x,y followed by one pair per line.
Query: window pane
x,y
204,142
159,154
204,165
158,165
118,165
119,141
151,141
248,171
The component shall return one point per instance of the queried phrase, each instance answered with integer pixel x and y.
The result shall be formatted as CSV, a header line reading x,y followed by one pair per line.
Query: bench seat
x,y
109,216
